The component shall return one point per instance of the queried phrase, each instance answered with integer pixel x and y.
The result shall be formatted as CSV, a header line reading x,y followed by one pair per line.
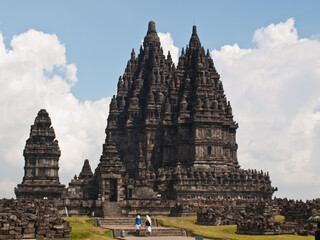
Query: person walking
x,y
138,224
148,225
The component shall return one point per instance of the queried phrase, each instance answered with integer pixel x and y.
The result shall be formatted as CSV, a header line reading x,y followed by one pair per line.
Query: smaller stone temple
x,y
41,153
81,187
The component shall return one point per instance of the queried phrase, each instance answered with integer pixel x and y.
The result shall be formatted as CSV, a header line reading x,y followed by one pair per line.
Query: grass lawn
x,y
219,231
83,228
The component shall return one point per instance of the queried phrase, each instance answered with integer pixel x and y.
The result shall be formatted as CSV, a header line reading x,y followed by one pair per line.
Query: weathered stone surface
x,y
86,172
82,187
257,217
171,137
170,144
41,153
29,219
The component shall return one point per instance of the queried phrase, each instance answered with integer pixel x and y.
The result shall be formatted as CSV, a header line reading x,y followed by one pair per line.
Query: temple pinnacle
x,y
151,39
152,27
194,40
194,30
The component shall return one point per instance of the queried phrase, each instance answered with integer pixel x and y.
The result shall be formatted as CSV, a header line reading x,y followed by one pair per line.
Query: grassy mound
x,y
219,231
83,228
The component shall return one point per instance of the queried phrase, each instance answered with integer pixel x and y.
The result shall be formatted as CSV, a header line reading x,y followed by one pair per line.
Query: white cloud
x,y
7,187
167,44
275,35
34,74
275,93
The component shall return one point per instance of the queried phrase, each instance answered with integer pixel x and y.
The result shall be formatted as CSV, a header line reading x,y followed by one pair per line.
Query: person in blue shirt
x,y
138,224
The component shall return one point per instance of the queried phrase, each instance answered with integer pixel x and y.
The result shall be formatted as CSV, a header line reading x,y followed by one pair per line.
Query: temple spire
x,y
194,40
151,39
194,30
133,54
152,27
86,172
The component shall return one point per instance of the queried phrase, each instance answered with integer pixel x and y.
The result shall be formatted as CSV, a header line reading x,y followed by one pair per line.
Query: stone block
x,y
28,235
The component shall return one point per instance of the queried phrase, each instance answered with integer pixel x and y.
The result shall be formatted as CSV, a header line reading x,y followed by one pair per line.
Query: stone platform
x,y
117,225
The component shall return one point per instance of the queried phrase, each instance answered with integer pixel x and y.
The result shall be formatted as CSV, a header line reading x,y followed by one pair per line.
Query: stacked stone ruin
x,y
36,219
257,217
296,214
170,143
222,212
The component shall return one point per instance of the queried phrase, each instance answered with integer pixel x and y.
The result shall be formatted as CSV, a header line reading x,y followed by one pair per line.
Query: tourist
x,y
317,234
148,226
138,224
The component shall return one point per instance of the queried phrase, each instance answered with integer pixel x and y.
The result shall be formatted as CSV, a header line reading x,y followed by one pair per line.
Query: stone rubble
x,y
258,217
31,219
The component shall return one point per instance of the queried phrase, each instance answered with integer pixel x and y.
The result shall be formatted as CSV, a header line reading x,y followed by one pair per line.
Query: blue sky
x,y
99,35
66,56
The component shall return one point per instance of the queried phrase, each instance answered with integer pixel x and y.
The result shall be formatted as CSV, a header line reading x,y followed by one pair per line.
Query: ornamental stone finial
x,y
194,30
152,27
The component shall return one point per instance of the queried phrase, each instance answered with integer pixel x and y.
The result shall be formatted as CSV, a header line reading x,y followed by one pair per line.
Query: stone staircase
x,y
118,225
124,221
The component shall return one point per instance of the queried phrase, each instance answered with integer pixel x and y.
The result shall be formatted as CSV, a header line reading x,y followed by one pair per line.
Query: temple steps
x,y
118,225
124,221
156,231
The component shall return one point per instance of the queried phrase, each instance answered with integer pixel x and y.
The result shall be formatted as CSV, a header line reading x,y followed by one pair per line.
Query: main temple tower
x,y
135,112
171,132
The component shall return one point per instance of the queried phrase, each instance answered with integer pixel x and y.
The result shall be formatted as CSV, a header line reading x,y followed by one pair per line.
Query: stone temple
x,y
170,140
41,155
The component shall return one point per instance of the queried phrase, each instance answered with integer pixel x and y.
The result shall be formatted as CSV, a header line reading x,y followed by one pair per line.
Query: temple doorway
x,y
113,190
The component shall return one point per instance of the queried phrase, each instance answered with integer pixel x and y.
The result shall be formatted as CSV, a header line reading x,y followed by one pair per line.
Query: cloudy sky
x,y
66,56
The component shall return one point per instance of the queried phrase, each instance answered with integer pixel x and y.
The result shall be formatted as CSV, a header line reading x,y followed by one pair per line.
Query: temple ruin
x,y
170,143
41,154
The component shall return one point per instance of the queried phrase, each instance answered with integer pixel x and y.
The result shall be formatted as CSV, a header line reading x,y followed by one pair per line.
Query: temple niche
x,y
41,154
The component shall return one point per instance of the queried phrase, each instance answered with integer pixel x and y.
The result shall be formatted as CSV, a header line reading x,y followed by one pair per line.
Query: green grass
x,y
220,231
279,218
83,228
